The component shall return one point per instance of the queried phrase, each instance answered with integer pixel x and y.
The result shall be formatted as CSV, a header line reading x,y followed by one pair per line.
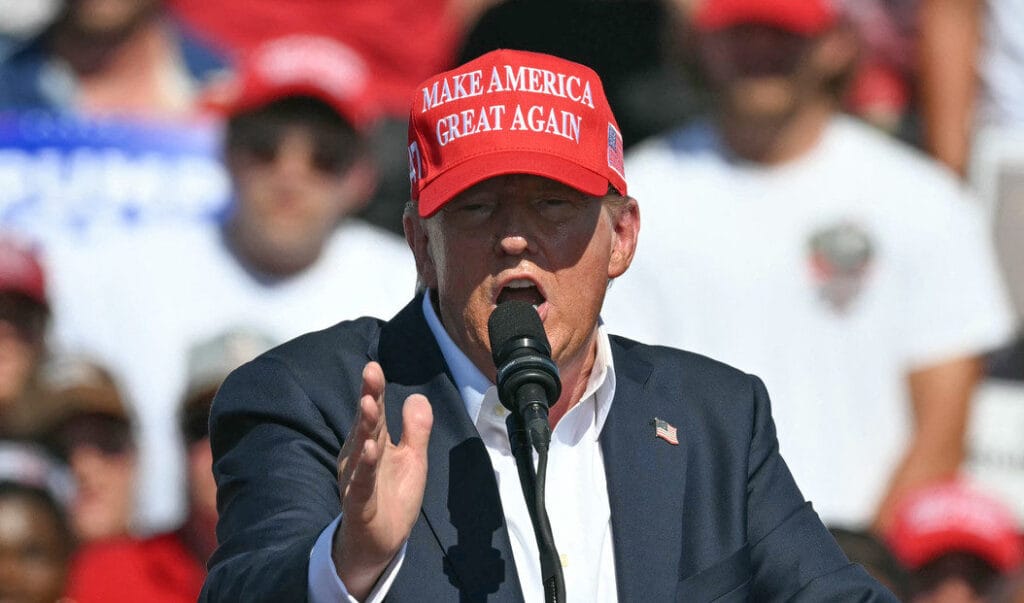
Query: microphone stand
x,y
523,442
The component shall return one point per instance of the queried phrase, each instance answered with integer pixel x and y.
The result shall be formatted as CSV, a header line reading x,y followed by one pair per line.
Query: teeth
x,y
520,283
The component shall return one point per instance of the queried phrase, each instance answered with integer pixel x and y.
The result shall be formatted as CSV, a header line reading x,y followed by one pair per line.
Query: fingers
x,y
366,429
373,382
373,388
364,478
369,424
369,446
417,420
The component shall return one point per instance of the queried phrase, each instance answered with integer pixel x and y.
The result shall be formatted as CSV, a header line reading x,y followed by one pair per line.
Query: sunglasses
x,y
328,157
110,435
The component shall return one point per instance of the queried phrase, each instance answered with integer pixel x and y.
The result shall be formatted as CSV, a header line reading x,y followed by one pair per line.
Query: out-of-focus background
x,y
185,184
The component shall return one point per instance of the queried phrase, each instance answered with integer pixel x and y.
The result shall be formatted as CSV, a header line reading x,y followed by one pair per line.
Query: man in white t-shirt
x,y
844,268
287,259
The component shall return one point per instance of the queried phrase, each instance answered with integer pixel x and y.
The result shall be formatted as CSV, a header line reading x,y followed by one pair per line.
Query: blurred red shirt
x,y
156,570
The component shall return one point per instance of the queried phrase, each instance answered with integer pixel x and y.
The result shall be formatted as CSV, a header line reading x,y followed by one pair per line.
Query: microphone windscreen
x,y
514,320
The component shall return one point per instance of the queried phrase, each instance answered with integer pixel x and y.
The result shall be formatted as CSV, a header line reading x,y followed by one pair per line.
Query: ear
x,y
357,185
415,229
625,220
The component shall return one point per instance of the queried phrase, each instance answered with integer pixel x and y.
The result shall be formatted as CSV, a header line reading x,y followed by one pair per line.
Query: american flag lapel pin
x,y
665,431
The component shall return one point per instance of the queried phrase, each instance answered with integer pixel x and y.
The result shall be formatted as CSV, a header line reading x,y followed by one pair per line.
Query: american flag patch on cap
x,y
615,150
665,431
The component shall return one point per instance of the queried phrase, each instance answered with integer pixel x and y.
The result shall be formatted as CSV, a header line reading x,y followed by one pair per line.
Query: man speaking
x,y
372,459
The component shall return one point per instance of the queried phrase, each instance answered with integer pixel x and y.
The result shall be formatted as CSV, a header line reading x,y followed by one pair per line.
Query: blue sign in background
x,y
73,178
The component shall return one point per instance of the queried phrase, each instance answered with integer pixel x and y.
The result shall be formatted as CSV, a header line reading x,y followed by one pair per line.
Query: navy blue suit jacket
x,y
716,518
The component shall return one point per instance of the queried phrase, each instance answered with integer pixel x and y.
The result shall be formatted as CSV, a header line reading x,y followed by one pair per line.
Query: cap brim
x,y
476,169
711,18
1000,554
254,100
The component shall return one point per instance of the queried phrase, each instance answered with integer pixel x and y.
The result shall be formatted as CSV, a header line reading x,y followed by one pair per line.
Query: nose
x,y
513,244
515,234
294,158
87,462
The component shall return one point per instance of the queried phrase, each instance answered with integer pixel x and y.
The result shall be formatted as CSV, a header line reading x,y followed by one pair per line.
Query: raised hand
x,y
381,485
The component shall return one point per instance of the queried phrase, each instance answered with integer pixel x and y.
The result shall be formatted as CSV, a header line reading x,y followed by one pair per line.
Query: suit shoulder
x,y
665,357
706,392
346,337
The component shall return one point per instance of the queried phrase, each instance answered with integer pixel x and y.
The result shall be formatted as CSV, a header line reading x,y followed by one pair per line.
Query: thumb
x,y
417,419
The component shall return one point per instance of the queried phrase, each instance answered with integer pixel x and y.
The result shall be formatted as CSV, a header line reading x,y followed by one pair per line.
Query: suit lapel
x,y
461,505
646,482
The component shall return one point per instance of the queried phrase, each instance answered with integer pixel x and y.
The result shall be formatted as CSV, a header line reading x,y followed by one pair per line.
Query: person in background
x,y
401,41
882,88
35,540
210,362
288,257
24,320
92,430
105,57
172,566
971,56
848,270
958,542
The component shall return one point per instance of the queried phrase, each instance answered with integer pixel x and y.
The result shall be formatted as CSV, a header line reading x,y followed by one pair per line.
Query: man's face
x,y
290,196
527,238
102,459
761,72
18,360
22,329
33,552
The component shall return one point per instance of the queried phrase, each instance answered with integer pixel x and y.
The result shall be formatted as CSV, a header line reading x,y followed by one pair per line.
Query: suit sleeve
x,y
793,556
275,467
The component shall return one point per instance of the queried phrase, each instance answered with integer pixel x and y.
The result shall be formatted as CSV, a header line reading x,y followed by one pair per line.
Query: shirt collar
x,y
473,385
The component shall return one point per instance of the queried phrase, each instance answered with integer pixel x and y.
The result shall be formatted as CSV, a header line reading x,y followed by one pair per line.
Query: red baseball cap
x,y
512,112
297,65
806,17
954,517
20,270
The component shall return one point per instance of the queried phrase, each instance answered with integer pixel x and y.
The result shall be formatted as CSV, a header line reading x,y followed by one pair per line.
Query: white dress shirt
x,y
576,494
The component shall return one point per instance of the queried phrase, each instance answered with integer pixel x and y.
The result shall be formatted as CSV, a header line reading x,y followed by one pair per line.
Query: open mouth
x,y
521,290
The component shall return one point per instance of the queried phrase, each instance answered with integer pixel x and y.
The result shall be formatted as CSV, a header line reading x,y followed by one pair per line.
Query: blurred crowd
x,y
832,195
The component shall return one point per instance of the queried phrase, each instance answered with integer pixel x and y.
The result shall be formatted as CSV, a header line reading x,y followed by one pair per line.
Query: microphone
x,y
527,379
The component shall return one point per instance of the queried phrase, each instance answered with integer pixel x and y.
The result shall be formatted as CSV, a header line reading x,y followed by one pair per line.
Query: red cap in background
x,y
954,517
298,65
512,112
20,270
805,17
